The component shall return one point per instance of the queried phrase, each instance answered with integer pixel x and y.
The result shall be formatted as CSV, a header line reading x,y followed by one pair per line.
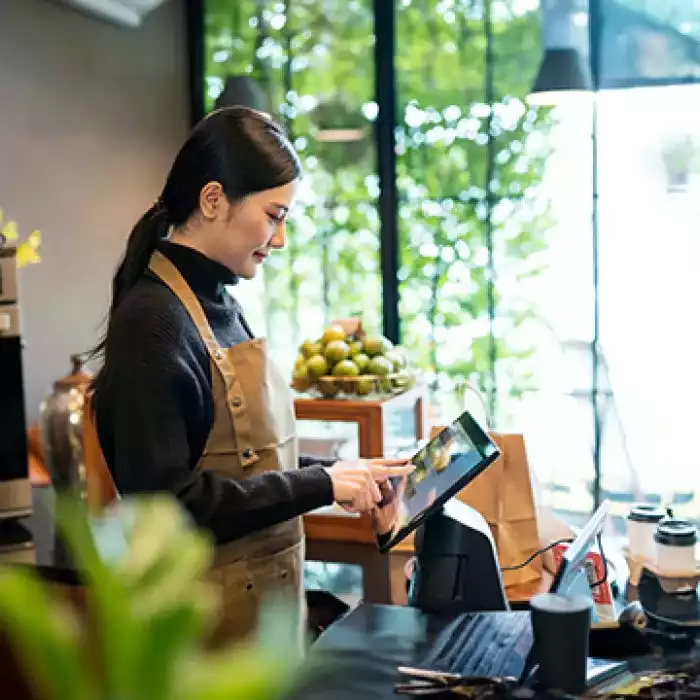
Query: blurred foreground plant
x,y
28,250
149,616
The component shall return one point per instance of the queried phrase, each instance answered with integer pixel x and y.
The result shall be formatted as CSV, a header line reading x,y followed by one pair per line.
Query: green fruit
x,y
377,346
332,333
384,385
335,351
345,368
380,366
300,362
310,348
317,366
301,381
364,386
362,361
356,348
403,380
397,359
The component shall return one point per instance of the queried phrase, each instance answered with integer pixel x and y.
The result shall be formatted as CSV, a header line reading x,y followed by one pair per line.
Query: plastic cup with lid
x,y
675,542
641,525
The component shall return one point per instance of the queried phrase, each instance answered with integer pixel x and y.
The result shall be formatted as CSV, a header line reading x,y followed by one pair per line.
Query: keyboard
x,y
484,644
498,644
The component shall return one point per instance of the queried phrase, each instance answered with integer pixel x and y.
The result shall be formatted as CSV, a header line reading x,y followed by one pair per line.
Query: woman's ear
x,y
211,199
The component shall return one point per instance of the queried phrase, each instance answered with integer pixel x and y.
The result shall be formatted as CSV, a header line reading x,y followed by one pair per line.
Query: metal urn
x,y
62,417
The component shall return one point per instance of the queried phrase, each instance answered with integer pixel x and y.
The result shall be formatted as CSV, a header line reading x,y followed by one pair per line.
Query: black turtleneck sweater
x,y
154,405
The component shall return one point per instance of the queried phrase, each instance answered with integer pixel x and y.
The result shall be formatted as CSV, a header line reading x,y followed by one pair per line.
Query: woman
x,y
187,400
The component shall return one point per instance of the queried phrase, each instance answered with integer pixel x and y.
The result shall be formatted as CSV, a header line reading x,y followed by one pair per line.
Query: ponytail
x,y
143,240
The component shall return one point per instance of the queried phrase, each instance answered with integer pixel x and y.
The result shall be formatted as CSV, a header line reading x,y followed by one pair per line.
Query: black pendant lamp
x,y
562,74
242,90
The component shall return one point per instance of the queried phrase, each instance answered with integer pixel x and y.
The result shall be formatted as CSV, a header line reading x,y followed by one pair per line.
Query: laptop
x,y
501,644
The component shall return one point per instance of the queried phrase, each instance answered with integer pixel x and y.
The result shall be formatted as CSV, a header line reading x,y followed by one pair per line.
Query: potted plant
x,y
680,158
150,612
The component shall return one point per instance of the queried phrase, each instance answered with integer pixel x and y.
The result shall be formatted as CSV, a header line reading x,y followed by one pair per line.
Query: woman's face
x,y
241,235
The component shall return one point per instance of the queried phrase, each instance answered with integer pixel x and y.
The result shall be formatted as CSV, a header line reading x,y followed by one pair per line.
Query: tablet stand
x,y
456,566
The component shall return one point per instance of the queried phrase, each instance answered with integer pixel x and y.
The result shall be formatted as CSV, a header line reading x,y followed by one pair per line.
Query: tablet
x,y
453,458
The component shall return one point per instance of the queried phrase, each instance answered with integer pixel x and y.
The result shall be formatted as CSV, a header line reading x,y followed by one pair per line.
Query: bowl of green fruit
x,y
347,363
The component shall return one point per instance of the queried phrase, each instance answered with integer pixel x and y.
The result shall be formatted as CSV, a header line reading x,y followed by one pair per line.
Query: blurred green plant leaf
x,y
47,636
150,612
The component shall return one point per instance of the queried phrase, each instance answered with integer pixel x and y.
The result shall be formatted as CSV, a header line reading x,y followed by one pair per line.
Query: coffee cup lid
x,y
646,513
676,533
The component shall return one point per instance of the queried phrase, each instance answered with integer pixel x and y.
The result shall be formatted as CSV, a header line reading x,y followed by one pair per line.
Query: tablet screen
x,y
452,459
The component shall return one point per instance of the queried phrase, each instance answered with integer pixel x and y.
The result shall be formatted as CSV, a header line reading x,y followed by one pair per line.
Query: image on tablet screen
x,y
450,461
447,458
438,466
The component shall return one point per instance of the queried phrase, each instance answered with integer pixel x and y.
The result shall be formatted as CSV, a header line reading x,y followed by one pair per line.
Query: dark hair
x,y
242,149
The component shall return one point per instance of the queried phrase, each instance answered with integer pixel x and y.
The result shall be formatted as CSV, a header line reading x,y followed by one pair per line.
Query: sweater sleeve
x,y
306,461
143,415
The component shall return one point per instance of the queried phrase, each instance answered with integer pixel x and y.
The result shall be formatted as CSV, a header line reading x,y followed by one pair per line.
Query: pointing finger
x,y
382,473
387,462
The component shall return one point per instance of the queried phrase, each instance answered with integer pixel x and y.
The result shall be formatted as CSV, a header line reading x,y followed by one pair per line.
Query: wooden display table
x,y
382,425
348,539
382,428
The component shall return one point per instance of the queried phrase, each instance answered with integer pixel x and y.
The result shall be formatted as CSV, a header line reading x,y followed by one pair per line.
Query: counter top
x,y
358,656
33,541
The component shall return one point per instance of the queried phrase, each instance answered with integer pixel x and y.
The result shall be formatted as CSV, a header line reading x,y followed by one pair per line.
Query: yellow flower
x,y
28,250
9,231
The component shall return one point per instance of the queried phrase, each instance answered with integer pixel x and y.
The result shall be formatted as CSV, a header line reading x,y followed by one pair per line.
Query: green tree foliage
x,y
461,189
458,188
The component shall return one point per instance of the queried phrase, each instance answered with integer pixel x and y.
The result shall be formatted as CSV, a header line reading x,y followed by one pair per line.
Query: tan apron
x,y
254,431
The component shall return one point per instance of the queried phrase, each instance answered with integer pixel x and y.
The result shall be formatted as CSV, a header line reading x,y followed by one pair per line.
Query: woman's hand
x,y
385,514
356,482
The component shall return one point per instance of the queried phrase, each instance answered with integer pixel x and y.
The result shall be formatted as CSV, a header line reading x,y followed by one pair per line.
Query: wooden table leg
x,y
383,579
397,564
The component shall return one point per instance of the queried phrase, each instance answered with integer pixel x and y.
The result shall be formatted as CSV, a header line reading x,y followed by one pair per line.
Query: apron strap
x,y
160,266
170,275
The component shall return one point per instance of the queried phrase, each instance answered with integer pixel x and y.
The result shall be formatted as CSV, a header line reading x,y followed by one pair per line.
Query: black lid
x,y
645,513
676,533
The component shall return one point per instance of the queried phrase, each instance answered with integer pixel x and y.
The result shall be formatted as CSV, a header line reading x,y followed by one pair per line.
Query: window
x,y
649,165
523,272
496,271
314,63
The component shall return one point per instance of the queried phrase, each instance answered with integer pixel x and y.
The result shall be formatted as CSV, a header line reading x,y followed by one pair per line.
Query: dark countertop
x,y
359,655
42,549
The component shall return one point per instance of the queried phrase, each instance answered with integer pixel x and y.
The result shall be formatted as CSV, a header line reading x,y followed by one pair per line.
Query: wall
x,y
91,116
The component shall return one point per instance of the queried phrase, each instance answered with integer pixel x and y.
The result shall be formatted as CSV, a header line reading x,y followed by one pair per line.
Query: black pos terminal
x,y
456,560
457,571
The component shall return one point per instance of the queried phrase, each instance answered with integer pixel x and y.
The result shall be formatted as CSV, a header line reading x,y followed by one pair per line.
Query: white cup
x,y
641,524
675,546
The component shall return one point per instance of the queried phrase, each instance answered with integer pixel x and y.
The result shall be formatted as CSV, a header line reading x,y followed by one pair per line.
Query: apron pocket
x,y
239,601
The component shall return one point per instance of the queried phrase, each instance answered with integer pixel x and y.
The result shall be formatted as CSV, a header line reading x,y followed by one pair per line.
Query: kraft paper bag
x,y
504,496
